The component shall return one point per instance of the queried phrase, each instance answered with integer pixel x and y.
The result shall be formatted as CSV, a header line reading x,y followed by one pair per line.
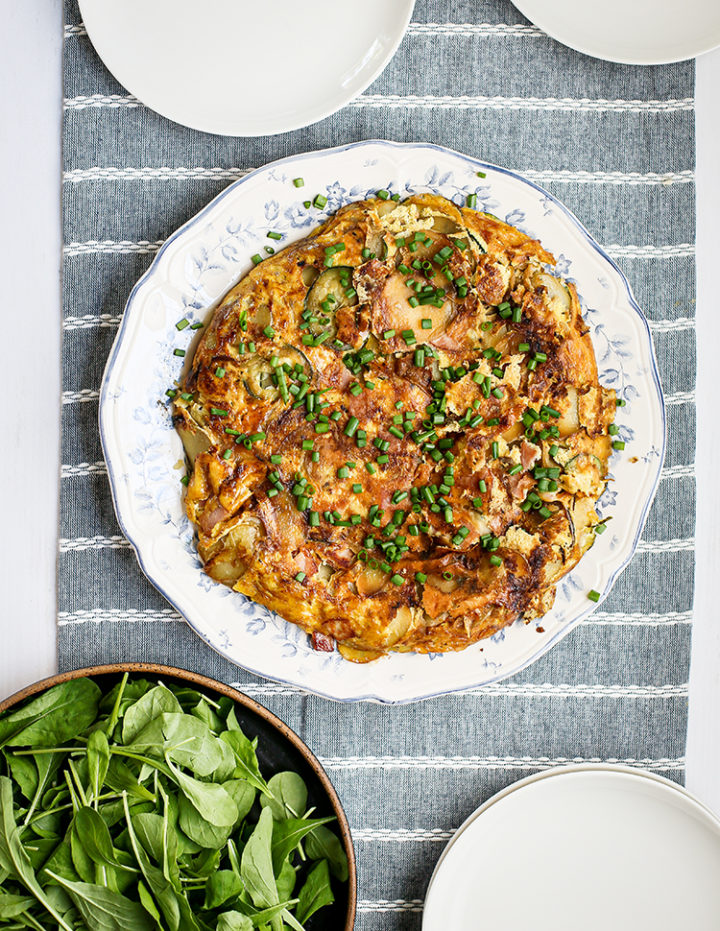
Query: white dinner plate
x,y
587,847
202,260
639,32
245,69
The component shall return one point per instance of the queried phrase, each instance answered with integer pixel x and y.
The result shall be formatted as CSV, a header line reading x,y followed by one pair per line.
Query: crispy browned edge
x,y
213,685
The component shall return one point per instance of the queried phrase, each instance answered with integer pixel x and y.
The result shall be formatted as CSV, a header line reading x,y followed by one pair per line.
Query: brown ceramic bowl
x,y
279,748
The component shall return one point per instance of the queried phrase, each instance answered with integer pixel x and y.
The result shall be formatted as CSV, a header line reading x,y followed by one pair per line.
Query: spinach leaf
x,y
222,886
322,843
148,707
287,835
13,905
105,910
315,893
55,716
47,765
94,836
159,842
13,857
24,772
212,801
288,798
83,863
162,890
120,778
98,760
256,867
243,794
199,829
204,712
148,903
246,759
234,921
286,880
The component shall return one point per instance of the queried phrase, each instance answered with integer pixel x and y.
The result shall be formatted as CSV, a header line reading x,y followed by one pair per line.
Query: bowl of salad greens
x,y
137,797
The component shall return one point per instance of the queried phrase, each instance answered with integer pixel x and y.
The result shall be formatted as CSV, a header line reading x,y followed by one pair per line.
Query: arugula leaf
x,y
316,892
288,796
105,910
287,835
322,843
149,706
59,714
13,857
256,866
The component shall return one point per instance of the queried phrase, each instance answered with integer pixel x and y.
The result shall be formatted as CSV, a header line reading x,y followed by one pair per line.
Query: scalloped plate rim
x,y
569,625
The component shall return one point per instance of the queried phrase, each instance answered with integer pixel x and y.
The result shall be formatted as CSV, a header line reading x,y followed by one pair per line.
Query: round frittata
x,y
396,433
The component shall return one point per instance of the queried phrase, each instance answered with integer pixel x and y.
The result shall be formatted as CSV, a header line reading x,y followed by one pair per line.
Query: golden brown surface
x,y
432,487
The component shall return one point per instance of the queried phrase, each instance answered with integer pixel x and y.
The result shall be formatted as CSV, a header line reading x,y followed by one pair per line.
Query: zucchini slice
x,y
259,374
332,290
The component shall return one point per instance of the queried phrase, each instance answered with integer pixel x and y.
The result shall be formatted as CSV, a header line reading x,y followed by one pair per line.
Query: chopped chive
x,y
307,204
426,323
185,480
181,324
593,595
618,445
219,371
320,201
383,194
351,426
471,201
298,182
420,577
397,579
300,577
495,560
272,235
388,334
218,412
256,259
179,352
613,429
619,402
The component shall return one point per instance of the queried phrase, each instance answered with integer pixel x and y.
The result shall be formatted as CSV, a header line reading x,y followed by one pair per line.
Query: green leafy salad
x,y
144,808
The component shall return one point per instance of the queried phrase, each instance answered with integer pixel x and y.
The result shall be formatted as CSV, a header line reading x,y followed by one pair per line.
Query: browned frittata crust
x,y
396,430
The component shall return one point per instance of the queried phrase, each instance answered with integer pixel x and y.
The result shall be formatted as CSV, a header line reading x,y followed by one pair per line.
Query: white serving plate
x,y
642,32
241,69
192,271
591,847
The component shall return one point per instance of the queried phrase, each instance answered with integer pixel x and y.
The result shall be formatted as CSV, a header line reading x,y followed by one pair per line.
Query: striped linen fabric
x,y
616,144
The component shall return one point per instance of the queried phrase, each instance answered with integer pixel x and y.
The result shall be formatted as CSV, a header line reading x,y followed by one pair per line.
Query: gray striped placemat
x,y
616,144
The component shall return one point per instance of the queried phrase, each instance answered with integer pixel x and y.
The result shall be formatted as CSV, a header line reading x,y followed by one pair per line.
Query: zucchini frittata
x,y
395,428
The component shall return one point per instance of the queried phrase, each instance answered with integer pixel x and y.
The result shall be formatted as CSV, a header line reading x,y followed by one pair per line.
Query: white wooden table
x,y
30,243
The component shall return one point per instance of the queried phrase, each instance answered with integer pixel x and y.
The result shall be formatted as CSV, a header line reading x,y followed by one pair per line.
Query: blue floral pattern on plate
x,y
192,271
